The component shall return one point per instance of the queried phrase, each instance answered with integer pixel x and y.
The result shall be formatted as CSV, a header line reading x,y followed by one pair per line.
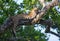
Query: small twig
x,y
54,33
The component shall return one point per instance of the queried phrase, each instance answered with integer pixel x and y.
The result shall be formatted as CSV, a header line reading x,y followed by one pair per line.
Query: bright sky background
x,y
52,37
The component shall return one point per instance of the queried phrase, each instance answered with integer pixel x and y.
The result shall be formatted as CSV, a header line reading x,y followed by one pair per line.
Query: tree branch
x,y
54,33
44,9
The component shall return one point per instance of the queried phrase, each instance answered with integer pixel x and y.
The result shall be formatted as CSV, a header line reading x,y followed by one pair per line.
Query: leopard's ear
x,y
35,9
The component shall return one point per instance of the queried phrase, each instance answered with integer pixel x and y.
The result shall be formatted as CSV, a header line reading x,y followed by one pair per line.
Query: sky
x,y
18,1
52,37
57,8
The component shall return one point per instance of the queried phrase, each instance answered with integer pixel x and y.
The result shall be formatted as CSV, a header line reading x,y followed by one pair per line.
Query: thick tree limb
x,y
44,9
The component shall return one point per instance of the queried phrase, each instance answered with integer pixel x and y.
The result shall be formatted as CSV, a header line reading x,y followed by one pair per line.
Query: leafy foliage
x,y
10,8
